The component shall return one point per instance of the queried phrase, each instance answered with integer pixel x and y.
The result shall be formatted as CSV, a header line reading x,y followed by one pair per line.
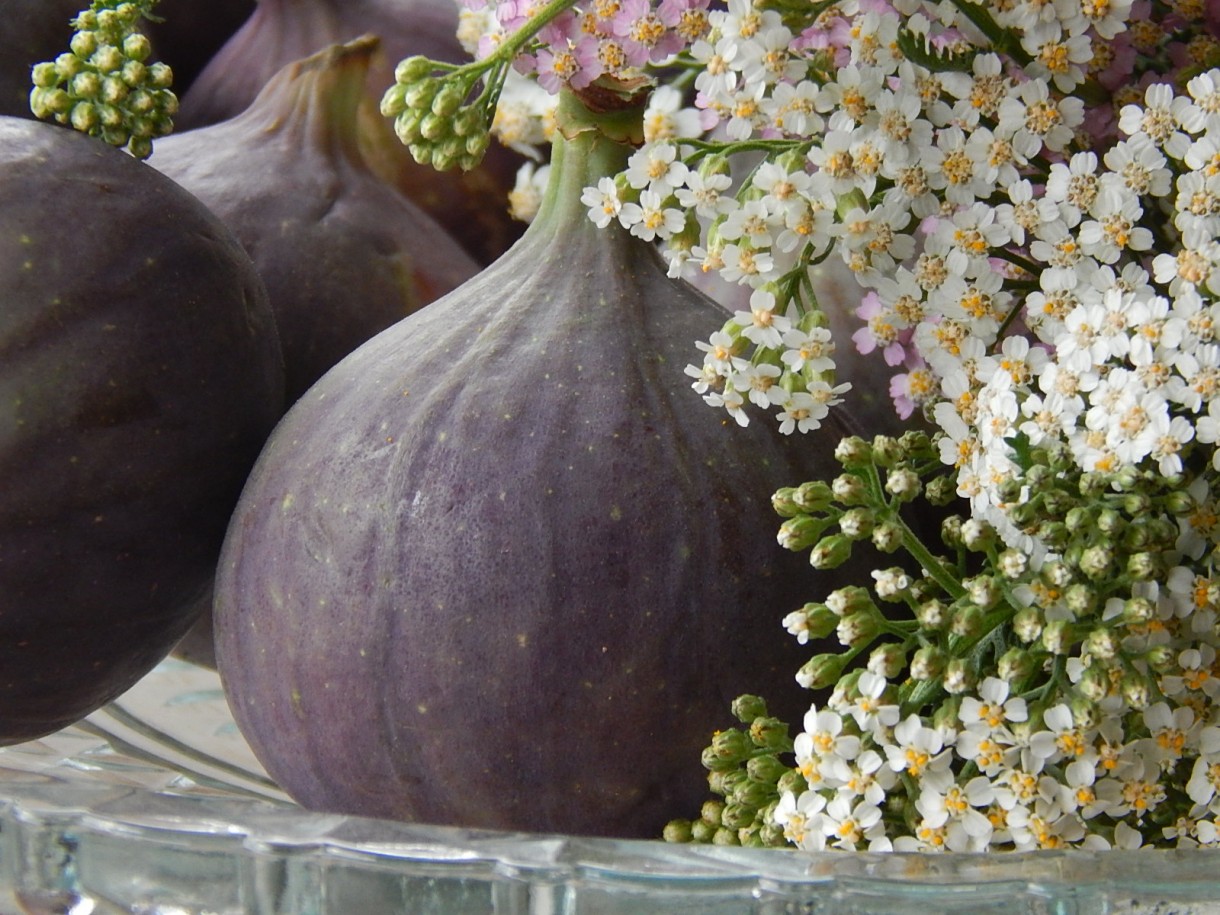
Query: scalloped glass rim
x,y
156,805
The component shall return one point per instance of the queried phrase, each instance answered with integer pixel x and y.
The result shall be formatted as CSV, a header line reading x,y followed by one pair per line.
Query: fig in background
x,y
140,374
189,32
343,255
501,567
471,206
32,31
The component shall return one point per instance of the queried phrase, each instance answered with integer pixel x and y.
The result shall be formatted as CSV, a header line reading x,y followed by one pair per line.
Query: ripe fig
x,y
342,254
471,206
140,373
501,567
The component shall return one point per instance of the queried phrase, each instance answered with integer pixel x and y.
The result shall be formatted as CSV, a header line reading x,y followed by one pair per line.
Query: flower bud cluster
x,y
434,116
104,85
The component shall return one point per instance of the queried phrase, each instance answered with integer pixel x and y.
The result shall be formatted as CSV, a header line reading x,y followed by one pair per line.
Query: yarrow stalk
x,y
1028,195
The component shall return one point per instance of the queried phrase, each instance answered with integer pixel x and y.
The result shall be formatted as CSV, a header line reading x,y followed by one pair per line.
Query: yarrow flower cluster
x,y
1028,196
105,85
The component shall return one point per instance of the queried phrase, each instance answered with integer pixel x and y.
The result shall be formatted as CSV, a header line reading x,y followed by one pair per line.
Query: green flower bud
x,y
132,74
1109,522
725,781
772,835
933,615
801,532
857,629
887,660
821,671
1053,533
434,128
702,832
983,591
903,484
412,69
886,451
1058,637
114,90
1102,643
746,708
1015,665
928,663
1078,518
112,118
1138,610
850,599
734,817
1027,624
1135,690
977,535
915,445
769,733
158,76
1179,502
107,58
677,831
724,836
1081,599
766,769
137,47
957,678
1096,562
732,744
857,523
141,102
849,489
940,491
1136,504
1145,566
1161,658
68,65
968,621
1012,564
84,117
853,452
1057,574
783,502
85,85
951,531
830,552
1094,683
946,714
447,100
83,44
887,536
139,147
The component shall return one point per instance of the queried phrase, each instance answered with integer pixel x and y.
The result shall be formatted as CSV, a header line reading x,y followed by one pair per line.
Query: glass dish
x,y
156,806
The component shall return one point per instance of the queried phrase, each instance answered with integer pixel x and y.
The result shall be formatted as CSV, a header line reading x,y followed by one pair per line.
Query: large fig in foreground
x,y
500,567
139,376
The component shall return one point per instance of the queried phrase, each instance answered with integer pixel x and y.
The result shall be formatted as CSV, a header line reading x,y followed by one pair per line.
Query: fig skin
x,y
501,568
140,374
471,206
342,254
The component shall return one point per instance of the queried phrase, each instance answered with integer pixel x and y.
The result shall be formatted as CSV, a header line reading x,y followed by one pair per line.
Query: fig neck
x,y
589,145
317,99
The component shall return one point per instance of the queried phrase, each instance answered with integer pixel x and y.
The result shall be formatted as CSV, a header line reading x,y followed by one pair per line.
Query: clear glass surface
x,y
156,806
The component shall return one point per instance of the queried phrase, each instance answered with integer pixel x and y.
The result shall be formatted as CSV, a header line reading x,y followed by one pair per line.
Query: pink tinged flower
x,y
912,389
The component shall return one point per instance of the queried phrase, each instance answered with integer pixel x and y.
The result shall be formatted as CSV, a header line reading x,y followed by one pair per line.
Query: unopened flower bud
x,y
677,831
957,678
1027,624
887,536
1136,504
941,491
735,816
746,708
886,450
933,615
849,489
983,591
903,484
967,622
1058,637
1138,610
928,663
701,831
1081,599
729,748
1096,562
821,671
1135,690
853,452
887,660
791,782
951,531
857,523
1161,658
1102,643
766,769
769,733
1094,683
1012,564
1015,665
977,534
850,599
801,532
857,629
830,552
1079,518
1145,566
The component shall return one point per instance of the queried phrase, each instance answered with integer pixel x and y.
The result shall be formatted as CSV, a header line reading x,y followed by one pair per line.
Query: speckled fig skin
x,y
501,567
139,376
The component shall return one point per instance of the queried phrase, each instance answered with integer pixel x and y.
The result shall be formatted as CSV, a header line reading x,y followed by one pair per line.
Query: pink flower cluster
x,y
599,38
